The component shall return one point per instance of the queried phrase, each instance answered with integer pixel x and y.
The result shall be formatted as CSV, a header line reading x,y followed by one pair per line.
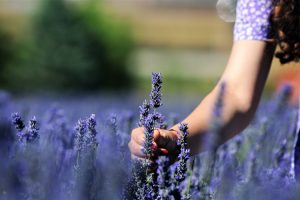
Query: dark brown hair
x,y
285,22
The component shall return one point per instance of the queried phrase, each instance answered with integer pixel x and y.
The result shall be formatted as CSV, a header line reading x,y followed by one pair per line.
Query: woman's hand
x,y
164,143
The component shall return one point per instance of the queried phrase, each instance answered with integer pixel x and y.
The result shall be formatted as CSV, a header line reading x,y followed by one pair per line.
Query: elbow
x,y
238,103
245,102
242,112
245,108
237,98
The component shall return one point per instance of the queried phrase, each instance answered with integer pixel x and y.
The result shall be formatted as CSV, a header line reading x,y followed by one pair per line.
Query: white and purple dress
x,y
252,22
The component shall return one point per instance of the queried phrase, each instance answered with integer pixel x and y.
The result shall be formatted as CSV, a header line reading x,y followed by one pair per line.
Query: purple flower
x,y
141,191
214,136
160,121
91,122
113,123
183,135
181,168
144,112
32,131
283,97
149,131
184,154
81,128
217,112
286,90
155,94
29,133
163,177
17,121
92,133
127,121
56,120
57,128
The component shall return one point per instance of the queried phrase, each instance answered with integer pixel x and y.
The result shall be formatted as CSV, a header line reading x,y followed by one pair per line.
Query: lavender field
x,y
77,149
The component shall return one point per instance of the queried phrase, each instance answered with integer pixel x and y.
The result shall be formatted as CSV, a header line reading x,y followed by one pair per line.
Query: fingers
x,y
136,149
137,142
167,139
164,142
134,157
156,134
138,135
159,135
163,151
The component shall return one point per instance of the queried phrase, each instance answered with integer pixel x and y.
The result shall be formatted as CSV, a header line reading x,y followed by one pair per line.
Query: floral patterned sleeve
x,y
252,20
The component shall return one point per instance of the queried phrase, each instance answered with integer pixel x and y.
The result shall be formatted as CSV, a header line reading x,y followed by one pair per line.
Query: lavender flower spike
x,y
92,122
217,112
144,112
17,121
155,94
215,136
81,129
184,155
149,131
32,132
91,125
283,97
183,135
163,178
181,167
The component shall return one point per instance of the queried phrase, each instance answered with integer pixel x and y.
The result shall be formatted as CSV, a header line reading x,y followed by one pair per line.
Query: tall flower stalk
x,y
144,112
155,95
184,154
17,121
86,145
214,137
32,130
81,128
164,180
92,132
153,118
149,119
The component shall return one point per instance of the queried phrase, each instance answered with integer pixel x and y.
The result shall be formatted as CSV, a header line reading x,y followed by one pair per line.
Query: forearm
x,y
244,79
234,119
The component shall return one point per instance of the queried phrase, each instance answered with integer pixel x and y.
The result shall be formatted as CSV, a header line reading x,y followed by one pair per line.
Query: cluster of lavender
x,y
54,161
161,183
25,134
150,118
48,159
230,171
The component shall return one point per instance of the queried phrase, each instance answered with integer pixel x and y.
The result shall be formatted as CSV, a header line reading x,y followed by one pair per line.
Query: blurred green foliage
x,y
6,52
73,47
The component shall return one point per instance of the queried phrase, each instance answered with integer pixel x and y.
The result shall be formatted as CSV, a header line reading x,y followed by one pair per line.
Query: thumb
x,y
156,135
165,139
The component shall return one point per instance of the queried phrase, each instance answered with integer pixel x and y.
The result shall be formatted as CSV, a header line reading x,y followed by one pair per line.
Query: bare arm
x,y
245,76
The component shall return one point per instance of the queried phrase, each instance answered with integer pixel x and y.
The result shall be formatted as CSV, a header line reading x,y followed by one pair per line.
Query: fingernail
x,y
154,143
164,151
154,146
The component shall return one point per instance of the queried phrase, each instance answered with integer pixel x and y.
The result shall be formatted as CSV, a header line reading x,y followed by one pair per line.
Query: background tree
x,y
74,47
